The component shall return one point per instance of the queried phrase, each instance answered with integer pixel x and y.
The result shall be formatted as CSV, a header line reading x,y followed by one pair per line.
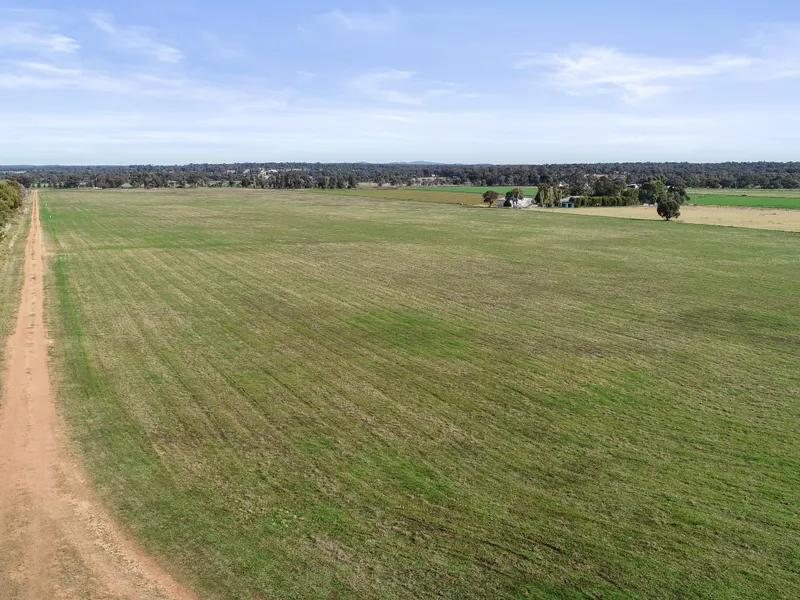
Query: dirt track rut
x,y
56,540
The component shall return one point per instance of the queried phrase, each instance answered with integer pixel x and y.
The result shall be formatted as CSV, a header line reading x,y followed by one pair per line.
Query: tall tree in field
x,y
490,197
669,208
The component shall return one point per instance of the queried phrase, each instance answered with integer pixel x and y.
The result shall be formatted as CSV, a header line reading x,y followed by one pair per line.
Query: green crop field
x,y
753,198
756,193
752,201
300,395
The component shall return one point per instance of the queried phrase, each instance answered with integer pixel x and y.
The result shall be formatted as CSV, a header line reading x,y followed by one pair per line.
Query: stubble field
x,y
724,216
293,394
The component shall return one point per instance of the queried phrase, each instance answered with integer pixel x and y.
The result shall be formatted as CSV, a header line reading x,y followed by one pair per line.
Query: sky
x,y
174,81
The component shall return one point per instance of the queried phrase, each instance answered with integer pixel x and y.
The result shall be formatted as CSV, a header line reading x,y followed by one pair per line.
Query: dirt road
x,y
56,540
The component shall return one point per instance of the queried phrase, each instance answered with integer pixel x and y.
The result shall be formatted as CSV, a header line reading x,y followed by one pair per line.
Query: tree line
x,y
577,177
11,195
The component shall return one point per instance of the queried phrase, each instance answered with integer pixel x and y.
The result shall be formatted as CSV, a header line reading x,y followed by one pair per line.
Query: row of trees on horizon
x,y
770,175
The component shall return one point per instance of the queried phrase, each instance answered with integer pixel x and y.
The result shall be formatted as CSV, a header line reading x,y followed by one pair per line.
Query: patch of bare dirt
x,y
56,540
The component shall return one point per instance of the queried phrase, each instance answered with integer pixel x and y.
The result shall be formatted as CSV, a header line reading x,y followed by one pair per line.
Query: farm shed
x,y
568,202
523,203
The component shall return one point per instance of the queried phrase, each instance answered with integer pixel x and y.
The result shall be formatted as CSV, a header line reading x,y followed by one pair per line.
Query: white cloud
x,y
385,86
116,88
374,86
138,40
635,77
30,36
351,21
47,69
22,75
780,47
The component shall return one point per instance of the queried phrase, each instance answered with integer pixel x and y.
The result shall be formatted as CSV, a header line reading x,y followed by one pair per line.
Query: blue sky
x,y
166,81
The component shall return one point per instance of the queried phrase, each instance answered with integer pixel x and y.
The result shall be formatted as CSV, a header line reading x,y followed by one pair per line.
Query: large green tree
x,y
515,194
576,183
669,208
549,195
490,197
653,191
630,196
678,193
606,186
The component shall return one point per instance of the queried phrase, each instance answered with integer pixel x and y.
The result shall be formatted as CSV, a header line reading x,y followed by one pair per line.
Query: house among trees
x,y
525,203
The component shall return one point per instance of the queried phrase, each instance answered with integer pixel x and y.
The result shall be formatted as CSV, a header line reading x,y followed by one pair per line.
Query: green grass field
x,y
754,198
755,193
530,191
405,194
298,395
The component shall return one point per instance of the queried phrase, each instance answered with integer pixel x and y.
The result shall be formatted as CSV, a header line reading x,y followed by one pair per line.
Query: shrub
x,y
490,197
10,199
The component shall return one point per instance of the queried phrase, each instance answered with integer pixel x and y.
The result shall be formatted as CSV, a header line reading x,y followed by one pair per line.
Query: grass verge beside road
x,y
12,260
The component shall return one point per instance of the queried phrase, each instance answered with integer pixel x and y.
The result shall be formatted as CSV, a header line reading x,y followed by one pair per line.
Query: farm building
x,y
524,203
568,202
